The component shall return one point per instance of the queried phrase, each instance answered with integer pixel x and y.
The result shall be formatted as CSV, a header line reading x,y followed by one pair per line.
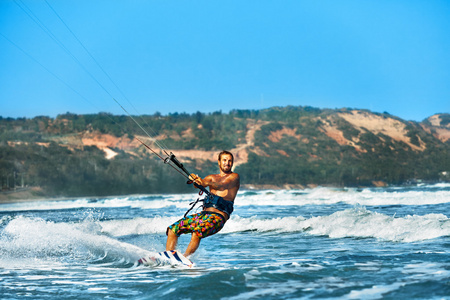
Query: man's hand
x,y
197,179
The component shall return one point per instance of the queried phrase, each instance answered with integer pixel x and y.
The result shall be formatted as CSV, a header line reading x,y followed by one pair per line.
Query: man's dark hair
x,y
226,152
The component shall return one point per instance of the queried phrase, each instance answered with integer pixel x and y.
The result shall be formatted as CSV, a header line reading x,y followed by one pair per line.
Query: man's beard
x,y
225,169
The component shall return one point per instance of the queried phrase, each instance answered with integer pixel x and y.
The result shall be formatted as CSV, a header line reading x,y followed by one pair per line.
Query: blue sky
x,y
189,56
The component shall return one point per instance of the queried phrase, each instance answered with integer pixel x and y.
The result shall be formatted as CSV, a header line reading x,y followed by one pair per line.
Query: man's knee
x,y
169,232
195,237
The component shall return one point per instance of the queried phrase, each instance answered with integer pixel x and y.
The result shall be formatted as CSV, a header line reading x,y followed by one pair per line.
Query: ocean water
x,y
322,243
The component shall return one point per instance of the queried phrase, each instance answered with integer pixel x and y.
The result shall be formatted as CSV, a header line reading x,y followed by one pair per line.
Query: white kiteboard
x,y
171,257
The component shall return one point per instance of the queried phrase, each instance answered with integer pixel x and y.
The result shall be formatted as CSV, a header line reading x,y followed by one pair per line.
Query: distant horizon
x,y
224,112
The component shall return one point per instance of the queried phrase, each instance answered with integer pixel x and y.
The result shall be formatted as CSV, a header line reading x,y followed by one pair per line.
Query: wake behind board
x,y
166,258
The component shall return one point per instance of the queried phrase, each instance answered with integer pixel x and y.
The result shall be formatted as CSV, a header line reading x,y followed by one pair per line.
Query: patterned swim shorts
x,y
203,224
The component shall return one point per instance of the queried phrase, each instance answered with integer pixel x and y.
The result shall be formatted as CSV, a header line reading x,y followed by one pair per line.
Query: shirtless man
x,y
216,210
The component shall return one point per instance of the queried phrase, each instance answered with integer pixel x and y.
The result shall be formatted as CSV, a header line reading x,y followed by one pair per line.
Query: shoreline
x,y
27,195
32,194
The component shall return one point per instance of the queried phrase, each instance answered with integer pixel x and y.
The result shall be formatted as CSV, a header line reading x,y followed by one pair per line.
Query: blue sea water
x,y
322,243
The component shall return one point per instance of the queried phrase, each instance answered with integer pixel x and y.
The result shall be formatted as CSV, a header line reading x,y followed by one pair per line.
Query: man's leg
x,y
172,240
193,245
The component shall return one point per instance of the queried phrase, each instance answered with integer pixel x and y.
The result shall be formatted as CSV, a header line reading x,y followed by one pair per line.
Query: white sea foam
x,y
140,226
143,202
374,292
36,238
328,196
363,223
357,222
318,196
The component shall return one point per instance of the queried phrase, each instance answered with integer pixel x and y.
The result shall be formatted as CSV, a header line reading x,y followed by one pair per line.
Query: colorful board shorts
x,y
203,224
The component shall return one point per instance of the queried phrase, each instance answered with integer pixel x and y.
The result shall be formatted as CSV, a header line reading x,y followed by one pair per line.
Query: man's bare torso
x,y
225,186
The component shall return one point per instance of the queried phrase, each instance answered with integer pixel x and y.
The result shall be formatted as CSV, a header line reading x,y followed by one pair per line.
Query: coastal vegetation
x,y
97,154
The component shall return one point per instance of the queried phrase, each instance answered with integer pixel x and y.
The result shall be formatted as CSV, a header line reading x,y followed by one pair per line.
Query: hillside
x,y
74,155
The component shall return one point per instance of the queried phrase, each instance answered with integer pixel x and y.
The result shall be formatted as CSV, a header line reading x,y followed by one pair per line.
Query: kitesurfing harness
x,y
218,203
215,201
